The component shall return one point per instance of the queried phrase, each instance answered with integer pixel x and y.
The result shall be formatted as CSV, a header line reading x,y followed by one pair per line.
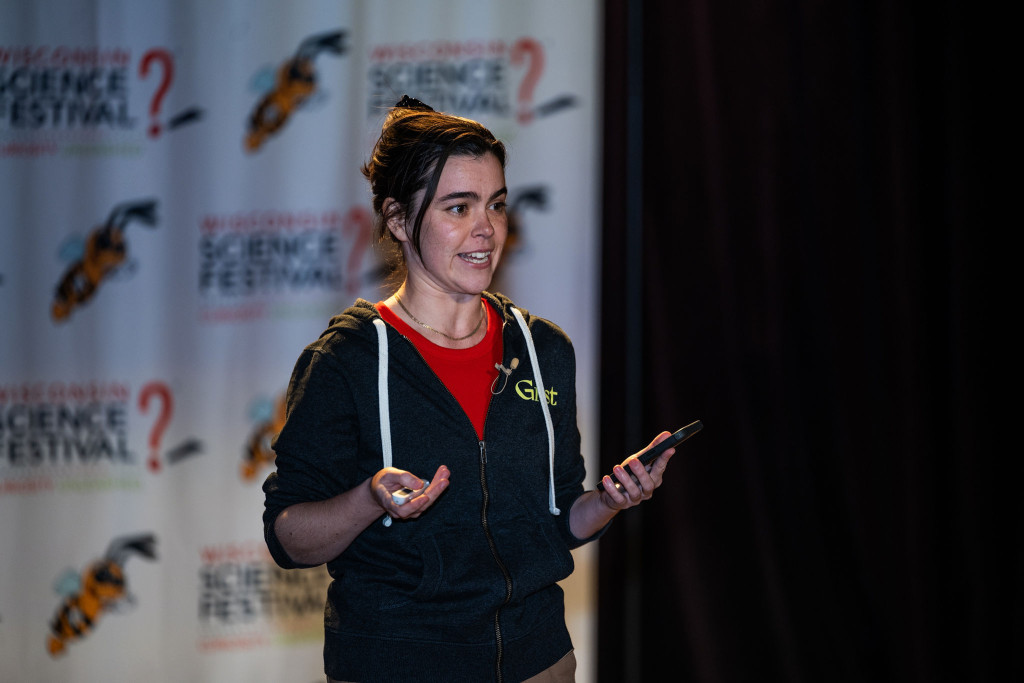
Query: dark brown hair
x,y
414,145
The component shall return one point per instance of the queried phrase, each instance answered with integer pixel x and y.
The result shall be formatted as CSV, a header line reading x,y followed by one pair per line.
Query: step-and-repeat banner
x,y
182,211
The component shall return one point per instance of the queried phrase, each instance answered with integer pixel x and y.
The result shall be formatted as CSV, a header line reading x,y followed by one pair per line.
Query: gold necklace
x,y
483,314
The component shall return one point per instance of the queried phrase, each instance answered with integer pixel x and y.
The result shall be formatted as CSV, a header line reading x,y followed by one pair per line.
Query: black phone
x,y
650,455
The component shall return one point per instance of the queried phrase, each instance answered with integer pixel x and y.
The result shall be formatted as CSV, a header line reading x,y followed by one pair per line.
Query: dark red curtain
x,y
794,255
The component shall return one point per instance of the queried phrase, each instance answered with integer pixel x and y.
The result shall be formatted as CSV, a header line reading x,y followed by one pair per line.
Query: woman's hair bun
x,y
412,103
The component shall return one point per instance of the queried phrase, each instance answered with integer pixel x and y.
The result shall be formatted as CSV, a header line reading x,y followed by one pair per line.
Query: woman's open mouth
x,y
475,257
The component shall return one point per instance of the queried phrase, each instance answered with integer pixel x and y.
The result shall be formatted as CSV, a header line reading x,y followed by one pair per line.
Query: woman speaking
x,y
444,506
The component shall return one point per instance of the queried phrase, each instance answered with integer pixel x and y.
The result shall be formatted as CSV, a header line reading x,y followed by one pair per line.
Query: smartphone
x,y
650,455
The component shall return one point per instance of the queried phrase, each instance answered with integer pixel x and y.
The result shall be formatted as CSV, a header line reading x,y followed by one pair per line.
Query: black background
x,y
794,253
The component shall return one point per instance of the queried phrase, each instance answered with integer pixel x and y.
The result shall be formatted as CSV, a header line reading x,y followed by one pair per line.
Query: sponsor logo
x,y
532,197
527,392
61,436
100,588
258,455
245,601
98,257
257,264
65,88
287,88
476,78
78,101
62,427
156,399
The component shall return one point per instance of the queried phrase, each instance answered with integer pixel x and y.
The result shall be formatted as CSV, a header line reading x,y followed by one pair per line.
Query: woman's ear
x,y
394,219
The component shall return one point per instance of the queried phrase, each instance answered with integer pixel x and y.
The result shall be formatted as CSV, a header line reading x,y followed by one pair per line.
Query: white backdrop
x,y
164,261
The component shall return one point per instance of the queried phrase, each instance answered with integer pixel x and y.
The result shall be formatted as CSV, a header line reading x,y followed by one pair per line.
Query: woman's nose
x,y
484,225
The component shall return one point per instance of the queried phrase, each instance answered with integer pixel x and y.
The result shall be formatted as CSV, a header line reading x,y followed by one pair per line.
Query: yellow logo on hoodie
x,y
526,392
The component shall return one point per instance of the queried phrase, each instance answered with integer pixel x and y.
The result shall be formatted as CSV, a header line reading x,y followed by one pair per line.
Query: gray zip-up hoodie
x,y
466,592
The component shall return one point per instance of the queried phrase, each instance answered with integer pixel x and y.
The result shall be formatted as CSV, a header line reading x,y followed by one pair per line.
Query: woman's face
x,y
464,228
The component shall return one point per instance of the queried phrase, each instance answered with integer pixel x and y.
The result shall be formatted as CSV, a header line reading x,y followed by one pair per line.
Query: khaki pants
x,y
562,671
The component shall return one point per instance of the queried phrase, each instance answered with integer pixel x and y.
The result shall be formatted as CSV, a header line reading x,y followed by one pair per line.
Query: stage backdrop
x,y
182,211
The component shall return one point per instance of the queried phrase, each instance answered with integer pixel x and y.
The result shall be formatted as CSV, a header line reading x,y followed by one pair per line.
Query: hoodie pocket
x,y
458,566
436,572
534,555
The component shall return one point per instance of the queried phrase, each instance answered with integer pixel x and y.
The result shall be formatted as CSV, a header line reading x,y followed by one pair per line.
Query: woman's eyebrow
x,y
469,194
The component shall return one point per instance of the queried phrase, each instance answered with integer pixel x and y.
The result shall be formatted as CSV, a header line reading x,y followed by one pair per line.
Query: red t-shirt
x,y
467,373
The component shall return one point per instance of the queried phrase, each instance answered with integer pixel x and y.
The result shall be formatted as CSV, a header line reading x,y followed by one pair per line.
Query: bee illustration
x,y
258,452
534,197
100,588
295,82
104,252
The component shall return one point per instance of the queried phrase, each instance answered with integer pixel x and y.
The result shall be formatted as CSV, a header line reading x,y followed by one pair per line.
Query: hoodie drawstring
x,y
552,508
383,403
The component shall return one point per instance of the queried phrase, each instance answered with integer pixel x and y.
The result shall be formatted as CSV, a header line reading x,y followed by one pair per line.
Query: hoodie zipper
x,y
498,638
499,641
497,559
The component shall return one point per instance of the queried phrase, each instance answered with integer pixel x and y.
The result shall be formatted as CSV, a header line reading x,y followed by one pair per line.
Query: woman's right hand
x,y
391,479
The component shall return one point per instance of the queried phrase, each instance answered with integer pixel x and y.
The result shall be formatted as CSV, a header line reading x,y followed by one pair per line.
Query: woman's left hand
x,y
594,509
635,492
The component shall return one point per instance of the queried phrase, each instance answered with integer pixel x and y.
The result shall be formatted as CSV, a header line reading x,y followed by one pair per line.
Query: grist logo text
x,y
526,391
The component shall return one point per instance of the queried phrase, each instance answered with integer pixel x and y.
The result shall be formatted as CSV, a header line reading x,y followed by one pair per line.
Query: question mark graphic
x,y
160,390
527,47
164,58
359,224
